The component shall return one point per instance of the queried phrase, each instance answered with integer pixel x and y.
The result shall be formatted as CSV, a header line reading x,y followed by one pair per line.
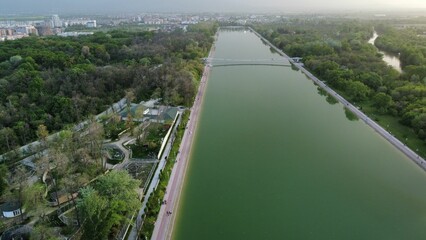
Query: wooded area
x,y
336,50
49,83
59,81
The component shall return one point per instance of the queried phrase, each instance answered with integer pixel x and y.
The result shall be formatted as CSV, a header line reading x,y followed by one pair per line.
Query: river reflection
x,y
272,160
390,59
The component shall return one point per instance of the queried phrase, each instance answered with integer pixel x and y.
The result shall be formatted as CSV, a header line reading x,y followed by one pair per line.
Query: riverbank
x,y
379,129
166,217
390,59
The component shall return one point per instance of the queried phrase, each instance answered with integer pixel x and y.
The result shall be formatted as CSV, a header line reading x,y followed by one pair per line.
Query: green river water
x,y
273,159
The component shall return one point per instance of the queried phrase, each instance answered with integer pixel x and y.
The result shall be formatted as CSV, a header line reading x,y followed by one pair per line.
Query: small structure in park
x,y
150,111
11,209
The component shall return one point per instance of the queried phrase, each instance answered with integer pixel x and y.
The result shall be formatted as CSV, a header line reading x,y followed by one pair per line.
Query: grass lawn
x,y
391,123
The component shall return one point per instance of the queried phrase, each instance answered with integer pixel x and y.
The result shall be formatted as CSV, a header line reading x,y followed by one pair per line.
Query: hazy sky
x,y
90,6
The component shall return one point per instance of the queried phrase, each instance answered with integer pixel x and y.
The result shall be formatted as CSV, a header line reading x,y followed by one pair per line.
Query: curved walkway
x,y
165,221
392,139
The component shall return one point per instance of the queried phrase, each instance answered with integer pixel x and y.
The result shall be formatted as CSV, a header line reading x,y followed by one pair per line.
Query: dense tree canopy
x,y
337,51
107,203
58,81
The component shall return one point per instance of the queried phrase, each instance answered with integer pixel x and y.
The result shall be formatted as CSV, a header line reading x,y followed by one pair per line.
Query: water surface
x,y
274,159
390,59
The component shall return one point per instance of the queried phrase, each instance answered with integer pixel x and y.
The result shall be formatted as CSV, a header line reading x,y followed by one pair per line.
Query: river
x,y
275,158
390,59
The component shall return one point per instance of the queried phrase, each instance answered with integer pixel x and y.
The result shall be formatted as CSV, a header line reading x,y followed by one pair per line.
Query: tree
x,y
8,136
107,203
43,232
118,185
19,178
382,102
33,199
371,79
72,183
3,181
93,138
97,215
60,81
85,51
129,122
358,91
42,134
139,112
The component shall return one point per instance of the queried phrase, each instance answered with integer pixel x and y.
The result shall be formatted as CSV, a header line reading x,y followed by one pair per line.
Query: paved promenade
x,y
165,221
392,139
133,235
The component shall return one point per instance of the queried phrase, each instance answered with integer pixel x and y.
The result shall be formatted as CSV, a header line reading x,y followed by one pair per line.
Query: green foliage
x,y
403,42
382,102
43,232
33,196
59,81
3,178
357,91
107,203
154,202
98,218
350,115
337,51
149,146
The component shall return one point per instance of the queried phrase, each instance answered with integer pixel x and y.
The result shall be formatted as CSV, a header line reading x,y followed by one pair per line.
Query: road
x,y
388,136
164,224
133,235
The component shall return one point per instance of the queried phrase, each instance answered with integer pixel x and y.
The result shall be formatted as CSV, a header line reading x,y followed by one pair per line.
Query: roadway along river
x,y
274,159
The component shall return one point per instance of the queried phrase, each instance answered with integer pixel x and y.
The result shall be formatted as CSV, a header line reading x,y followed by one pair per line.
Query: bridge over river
x,y
272,159
225,62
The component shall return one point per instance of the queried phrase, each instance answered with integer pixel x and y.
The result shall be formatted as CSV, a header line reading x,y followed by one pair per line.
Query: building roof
x,y
10,206
169,114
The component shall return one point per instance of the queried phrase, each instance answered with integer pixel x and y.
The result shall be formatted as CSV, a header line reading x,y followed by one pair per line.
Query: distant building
x,y
6,32
26,30
2,32
44,30
74,34
91,24
56,21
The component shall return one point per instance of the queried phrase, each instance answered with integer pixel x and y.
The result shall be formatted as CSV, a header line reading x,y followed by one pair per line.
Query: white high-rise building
x,y
91,24
56,21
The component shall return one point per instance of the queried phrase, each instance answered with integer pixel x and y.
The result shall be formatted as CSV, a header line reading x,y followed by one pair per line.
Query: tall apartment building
x,y
91,24
56,21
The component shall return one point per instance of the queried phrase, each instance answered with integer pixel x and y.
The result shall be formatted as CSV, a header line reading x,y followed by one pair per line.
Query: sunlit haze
x,y
62,6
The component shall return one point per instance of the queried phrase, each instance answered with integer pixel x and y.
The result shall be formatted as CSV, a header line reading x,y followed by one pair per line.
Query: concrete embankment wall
x,y
166,138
